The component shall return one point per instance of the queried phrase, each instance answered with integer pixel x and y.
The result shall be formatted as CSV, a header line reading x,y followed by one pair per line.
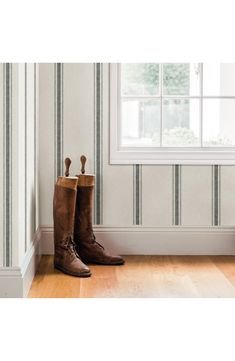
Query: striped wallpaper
x,y
98,149
216,209
137,194
19,158
100,94
176,195
7,165
58,81
26,153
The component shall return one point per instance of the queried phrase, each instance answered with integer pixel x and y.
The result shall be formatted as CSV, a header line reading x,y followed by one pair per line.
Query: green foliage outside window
x,y
144,79
176,79
140,79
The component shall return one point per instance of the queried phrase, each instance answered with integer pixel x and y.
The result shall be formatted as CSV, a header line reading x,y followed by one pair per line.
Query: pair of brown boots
x,y
74,239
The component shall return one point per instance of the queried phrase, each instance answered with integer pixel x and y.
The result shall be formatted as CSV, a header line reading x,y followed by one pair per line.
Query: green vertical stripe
x,y
35,142
7,178
137,194
176,176
58,74
26,154
98,201
216,176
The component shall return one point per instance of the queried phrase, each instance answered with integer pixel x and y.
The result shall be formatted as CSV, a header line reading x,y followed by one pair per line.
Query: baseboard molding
x,y
138,240
16,281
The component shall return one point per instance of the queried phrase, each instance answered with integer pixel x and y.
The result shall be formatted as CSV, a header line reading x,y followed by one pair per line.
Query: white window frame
x,y
176,155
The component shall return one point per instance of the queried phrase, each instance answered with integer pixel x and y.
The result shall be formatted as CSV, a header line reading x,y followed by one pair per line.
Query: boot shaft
x,y
64,203
83,215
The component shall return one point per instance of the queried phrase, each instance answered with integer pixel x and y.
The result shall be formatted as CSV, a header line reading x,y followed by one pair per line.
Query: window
x,y
172,113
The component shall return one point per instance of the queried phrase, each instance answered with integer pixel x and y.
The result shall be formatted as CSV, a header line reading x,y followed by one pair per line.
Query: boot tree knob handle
x,y
83,161
67,165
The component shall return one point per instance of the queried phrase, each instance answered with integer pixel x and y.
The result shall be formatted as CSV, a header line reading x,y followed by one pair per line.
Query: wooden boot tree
x,y
85,180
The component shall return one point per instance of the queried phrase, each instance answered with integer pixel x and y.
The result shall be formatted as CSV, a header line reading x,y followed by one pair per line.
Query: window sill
x,y
202,157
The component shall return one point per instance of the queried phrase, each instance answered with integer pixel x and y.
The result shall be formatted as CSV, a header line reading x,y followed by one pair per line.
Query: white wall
x,y
158,196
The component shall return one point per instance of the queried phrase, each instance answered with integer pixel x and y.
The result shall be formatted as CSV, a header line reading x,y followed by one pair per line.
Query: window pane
x,y
181,125
140,123
218,122
140,79
181,79
219,79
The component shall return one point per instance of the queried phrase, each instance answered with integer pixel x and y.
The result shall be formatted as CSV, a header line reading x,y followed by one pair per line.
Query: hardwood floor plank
x,y
204,276
141,276
226,264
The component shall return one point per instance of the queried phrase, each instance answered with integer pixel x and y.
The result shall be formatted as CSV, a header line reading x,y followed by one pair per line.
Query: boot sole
x,y
104,264
88,274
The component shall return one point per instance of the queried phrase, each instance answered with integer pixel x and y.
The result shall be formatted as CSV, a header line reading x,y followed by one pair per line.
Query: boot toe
x,y
73,271
85,273
112,260
117,260
81,269
87,269
78,268
81,273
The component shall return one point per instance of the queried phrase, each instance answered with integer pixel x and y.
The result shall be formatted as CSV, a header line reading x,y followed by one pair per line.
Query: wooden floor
x,y
142,276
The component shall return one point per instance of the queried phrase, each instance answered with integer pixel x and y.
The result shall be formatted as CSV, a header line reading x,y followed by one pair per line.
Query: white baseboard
x,y
138,240
16,281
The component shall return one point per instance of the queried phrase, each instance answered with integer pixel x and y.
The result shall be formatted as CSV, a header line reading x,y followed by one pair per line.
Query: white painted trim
x,y
16,281
170,157
138,240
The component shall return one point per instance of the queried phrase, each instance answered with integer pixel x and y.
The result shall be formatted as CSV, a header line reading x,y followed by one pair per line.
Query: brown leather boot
x,y
66,258
89,250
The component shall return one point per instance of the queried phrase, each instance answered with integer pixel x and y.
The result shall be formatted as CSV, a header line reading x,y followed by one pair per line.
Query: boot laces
x,y
89,229
70,245
96,243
